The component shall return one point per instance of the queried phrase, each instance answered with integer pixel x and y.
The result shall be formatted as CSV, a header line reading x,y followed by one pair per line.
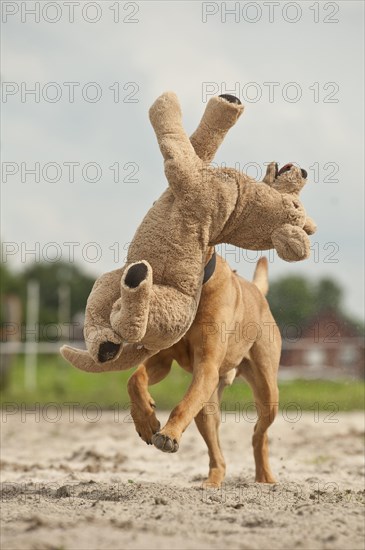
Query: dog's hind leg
x,y
151,372
208,422
261,374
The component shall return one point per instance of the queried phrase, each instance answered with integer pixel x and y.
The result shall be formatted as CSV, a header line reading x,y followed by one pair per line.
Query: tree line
x,y
293,299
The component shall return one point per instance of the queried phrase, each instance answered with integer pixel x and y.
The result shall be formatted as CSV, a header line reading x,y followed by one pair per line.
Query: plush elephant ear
x,y
131,356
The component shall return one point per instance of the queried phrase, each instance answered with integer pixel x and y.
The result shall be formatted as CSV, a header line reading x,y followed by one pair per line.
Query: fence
x,y
304,359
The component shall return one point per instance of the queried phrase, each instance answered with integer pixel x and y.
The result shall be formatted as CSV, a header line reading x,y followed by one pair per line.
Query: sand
x,y
69,482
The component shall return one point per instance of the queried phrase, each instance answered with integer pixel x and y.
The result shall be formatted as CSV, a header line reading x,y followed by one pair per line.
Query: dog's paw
x,y
215,478
148,430
146,424
207,484
165,443
265,477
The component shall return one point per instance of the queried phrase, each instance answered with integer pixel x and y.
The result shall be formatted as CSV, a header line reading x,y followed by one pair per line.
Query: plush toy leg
x,y
129,315
102,342
182,165
220,115
159,315
291,243
130,357
171,314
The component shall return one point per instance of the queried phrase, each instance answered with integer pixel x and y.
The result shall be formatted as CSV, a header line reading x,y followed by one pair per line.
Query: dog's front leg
x,y
142,405
204,383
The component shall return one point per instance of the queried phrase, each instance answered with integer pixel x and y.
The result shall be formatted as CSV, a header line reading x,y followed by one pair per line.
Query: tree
x,y
328,295
9,284
50,277
295,300
291,301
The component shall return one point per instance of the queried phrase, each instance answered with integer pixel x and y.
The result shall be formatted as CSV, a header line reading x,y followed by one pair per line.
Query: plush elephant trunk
x,y
129,315
130,356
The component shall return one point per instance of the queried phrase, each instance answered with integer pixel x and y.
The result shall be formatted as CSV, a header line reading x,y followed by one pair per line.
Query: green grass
x,y
59,382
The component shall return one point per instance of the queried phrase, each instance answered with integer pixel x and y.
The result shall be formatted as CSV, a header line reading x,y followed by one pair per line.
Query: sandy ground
x,y
77,484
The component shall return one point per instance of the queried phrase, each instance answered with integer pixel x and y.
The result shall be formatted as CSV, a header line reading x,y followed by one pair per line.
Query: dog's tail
x,y
260,277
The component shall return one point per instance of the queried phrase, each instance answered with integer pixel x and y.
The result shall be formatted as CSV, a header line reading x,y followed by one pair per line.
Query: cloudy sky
x,y
96,67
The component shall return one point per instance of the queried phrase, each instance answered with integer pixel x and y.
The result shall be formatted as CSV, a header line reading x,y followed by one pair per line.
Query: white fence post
x,y
64,309
32,336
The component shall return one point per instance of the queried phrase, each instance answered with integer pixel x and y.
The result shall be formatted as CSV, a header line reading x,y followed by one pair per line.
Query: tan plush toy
x,y
150,303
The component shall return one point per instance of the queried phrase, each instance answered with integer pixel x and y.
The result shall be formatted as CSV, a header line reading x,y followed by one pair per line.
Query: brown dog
x,y
233,334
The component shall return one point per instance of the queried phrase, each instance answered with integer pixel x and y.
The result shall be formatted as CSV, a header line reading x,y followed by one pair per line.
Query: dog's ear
x,y
271,173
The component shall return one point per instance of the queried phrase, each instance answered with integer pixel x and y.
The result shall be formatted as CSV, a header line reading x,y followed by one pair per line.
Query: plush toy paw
x,y
165,443
136,274
231,98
